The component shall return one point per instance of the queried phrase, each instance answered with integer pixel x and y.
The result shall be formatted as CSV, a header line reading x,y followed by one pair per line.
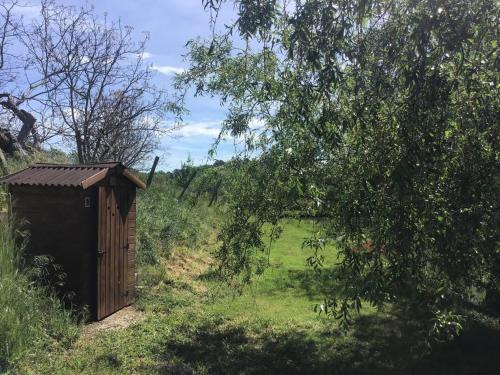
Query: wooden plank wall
x,y
131,246
116,262
102,285
59,225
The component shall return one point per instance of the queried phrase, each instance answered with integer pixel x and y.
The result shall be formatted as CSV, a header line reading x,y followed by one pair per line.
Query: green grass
x,y
31,317
164,222
288,290
195,325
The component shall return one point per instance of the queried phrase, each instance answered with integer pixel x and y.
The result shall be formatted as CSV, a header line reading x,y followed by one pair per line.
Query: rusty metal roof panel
x,y
68,175
55,175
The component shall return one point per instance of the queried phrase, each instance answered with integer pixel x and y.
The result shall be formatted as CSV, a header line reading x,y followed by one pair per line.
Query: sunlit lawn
x,y
288,290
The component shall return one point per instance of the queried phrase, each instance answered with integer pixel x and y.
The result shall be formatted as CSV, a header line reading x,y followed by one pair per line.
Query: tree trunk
x,y
36,138
10,144
28,125
25,117
215,193
191,178
79,148
492,298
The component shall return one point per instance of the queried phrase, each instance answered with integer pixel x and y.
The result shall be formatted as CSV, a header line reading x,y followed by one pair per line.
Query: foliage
x,y
381,117
163,221
32,318
204,182
197,325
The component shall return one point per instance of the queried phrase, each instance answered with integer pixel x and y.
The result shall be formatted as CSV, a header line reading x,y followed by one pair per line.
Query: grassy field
x,y
195,325
288,290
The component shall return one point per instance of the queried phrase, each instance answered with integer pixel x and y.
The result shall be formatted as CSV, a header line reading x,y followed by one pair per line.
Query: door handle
x,y
100,253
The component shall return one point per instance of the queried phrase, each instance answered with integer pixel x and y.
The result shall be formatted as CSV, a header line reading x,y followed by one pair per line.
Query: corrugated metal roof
x,y
70,175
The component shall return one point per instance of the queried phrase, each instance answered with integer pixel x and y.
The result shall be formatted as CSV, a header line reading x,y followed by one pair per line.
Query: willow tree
x,y
381,118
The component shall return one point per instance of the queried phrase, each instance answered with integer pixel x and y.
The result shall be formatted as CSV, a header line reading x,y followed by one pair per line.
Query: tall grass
x,y
164,221
31,316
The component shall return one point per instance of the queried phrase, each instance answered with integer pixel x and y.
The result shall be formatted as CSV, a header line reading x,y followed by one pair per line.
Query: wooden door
x,y
113,246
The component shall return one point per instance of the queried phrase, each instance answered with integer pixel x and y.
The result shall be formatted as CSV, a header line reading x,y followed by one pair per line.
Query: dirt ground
x,y
119,320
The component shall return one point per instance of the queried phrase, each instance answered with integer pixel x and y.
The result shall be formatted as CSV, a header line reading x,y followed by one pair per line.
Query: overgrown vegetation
x,y
194,324
34,321
381,118
376,120
32,317
165,220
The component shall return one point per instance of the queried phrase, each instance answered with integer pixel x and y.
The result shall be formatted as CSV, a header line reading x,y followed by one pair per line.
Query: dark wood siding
x,y
94,244
131,246
59,225
83,217
116,261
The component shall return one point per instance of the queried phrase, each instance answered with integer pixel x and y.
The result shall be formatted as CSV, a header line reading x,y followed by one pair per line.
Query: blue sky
x,y
171,23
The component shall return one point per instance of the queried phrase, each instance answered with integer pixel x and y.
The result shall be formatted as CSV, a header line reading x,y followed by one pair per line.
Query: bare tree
x,y
9,26
23,89
85,78
127,128
103,99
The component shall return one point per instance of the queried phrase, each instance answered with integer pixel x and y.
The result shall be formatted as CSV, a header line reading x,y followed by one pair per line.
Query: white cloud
x,y
193,129
212,128
168,70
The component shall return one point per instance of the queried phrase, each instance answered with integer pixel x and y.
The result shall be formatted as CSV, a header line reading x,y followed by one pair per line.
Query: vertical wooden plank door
x,y
112,252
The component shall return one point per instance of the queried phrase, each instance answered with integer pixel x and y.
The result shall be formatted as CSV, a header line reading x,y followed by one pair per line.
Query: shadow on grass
x,y
301,282
306,283
314,284
211,274
377,345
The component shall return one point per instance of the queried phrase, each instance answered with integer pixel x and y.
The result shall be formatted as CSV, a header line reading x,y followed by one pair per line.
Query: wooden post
x,y
152,172
191,178
215,193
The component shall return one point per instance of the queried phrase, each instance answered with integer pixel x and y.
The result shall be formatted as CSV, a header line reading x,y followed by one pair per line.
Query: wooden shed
x,y
84,217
